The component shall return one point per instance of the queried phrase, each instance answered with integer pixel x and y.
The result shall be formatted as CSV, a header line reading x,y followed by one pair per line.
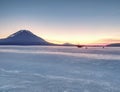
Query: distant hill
x,y
114,45
68,44
23,37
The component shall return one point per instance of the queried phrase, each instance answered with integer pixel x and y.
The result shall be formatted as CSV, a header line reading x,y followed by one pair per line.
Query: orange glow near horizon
x,y
74,34
73,40
60,38
88,22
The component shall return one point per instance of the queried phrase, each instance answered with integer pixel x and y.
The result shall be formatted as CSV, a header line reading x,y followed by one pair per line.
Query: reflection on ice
x,y
91,53
59,69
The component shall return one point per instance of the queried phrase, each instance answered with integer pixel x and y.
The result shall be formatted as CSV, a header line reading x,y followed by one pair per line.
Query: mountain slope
x,y
114,45
23,37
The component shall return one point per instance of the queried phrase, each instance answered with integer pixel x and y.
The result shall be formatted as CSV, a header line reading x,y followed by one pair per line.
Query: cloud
x,y
107,41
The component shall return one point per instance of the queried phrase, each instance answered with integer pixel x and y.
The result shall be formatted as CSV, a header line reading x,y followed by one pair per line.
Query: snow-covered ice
x,y
59,69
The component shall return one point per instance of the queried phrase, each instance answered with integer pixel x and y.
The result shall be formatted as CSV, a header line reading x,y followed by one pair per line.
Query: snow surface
x,y
59,69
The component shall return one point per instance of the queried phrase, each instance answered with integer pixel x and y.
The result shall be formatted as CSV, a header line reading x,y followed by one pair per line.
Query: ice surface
x,y
59,69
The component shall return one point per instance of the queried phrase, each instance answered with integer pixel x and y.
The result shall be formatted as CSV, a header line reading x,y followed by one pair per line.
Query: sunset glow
x,y
77,22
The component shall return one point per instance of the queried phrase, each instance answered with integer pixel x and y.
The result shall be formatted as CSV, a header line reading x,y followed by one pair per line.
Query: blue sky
x,y
75,21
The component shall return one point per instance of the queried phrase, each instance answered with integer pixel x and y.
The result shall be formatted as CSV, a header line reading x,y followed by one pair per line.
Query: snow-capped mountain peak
x,y
20,32
24,37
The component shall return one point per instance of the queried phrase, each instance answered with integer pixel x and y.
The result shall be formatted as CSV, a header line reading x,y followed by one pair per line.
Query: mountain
x,y
23,37
114,45
68,44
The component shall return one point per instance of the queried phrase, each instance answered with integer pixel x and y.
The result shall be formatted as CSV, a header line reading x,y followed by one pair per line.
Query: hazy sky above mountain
x,y
76,21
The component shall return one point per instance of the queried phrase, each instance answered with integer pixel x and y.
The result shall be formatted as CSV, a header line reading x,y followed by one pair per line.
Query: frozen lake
x,y
59,69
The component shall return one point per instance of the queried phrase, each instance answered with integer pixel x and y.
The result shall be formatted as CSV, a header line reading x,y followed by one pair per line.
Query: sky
x,y
61,21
